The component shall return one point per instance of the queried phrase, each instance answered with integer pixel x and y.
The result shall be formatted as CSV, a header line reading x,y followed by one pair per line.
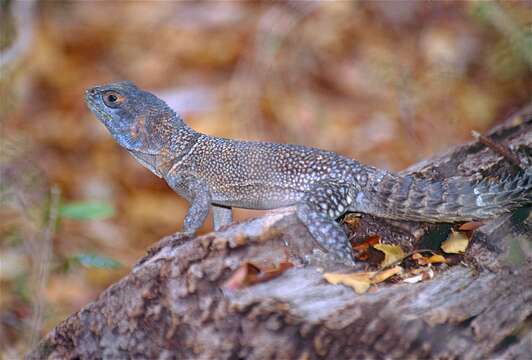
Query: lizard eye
x,y
112,98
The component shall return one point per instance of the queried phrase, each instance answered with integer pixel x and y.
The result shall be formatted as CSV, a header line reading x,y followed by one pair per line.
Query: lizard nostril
x,y
91,91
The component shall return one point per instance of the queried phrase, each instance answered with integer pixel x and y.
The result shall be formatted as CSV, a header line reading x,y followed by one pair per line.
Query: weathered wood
x,y
173,303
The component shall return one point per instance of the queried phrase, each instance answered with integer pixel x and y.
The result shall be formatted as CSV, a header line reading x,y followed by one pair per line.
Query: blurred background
x,y
388,83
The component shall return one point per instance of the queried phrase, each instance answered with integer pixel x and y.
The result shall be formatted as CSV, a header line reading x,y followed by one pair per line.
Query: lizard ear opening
x,y
112,99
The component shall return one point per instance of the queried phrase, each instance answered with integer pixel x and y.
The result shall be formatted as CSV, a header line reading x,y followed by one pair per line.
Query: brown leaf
x,y
273,272
242,277
248,274
364,252
470,226
364,246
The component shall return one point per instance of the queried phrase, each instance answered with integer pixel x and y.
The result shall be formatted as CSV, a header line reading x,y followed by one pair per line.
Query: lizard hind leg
x,y
318,210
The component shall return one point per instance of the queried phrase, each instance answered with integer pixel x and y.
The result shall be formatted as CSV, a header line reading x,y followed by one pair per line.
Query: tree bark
x,y
174,303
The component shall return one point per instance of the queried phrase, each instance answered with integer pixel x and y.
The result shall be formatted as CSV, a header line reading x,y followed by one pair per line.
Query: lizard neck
x,y
176,148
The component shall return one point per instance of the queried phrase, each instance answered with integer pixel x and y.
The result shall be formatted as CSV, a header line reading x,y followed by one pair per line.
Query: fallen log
x,y
176,302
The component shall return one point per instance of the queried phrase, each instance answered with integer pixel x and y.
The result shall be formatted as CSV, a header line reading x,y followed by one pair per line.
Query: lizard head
x,y
137,119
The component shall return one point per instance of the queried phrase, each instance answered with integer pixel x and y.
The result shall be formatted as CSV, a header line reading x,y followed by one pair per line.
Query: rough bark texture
x,y
173,303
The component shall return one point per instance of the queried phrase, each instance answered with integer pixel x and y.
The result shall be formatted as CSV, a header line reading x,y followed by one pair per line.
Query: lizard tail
x,y
449,200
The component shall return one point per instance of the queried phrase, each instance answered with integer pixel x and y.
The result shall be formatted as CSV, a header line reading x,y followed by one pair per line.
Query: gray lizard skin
x,y
224,173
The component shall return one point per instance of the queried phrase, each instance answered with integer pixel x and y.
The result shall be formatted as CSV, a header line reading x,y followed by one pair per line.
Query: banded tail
x,y
448,200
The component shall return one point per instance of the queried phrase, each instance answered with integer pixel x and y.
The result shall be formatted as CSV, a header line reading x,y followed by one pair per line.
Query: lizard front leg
x,y
221,215
197,193
318,210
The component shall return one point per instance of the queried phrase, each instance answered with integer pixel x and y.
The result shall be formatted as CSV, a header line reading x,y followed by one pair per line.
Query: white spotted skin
x,y
260,175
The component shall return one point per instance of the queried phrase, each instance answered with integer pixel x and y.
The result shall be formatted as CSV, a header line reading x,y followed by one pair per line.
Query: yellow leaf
x,y
383,275
392,253
437,258
433,259
360,282
456,243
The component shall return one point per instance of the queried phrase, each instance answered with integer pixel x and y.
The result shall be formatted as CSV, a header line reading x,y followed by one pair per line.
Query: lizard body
x,y
223,173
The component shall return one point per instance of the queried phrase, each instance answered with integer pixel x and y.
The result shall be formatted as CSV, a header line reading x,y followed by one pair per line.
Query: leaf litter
x,y
394,265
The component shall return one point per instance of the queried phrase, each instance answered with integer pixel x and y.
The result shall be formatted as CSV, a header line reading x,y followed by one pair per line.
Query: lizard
x,y
222,173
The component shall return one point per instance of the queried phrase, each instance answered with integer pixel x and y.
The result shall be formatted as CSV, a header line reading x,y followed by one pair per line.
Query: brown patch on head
x,y
138,130
138,127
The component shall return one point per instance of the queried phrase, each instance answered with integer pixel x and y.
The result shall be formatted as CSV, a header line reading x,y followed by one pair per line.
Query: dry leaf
x,y
424,274
420,259
433,259
273,272
364,246
383,275
414,279
360,282
429,274
352,221
248,274
470,226
392,253
456,243
242,277
437,258
364,252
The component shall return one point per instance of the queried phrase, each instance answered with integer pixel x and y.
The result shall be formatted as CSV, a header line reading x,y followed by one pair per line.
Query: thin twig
x,y
500,149
23,13
397,262
41,263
